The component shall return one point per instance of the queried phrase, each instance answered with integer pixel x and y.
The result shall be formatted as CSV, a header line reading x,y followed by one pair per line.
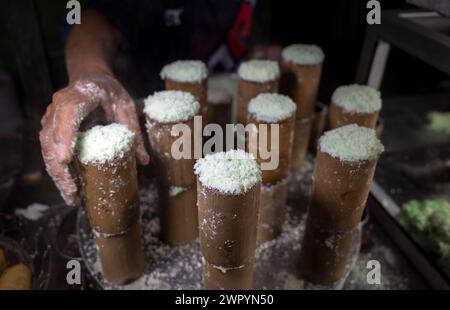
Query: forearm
x,y
91,46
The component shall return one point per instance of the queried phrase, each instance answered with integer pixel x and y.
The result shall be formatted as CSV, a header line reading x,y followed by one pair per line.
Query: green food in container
x,y
431,218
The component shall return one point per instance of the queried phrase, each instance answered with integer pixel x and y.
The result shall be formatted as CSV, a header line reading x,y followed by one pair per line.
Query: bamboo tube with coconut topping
x,y
343,172
176,180
301,69
189,76
228,189
354,104
272,109
107,166
255,77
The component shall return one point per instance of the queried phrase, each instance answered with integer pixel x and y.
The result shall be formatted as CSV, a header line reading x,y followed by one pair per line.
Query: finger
x,y
66,122
125,113
98,90
45,136
58,172
64,181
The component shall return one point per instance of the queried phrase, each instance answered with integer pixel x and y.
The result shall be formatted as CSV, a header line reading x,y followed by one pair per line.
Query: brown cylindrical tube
x,y
285,146
301,83
170,171
302,133
318,125
325,255
107,166
219,106
197,89
227,225
122,257
338,117
340,191
272,210
179,216
247,90
111,194
276,113
217,278
174,173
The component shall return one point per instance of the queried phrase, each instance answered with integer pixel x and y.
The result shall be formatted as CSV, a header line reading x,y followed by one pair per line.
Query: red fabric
x,y
240,31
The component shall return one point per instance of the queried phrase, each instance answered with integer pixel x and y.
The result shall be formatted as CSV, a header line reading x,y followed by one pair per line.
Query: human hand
x,y
69,107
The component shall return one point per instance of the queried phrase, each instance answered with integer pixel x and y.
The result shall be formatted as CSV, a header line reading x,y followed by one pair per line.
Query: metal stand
x,y
423,34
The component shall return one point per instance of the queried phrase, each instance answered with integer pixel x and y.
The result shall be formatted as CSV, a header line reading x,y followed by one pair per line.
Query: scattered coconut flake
x,y
351,143
226,269
303,54
232,172
259,70
32,212
271,107
104,143
171,106
175,190
357,98
185,71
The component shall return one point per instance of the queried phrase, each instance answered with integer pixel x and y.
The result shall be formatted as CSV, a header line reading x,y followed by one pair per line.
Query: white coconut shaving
x,y
226,269
185,71
271,107
303,54
171,106
102,144
233,172
351,143
259,70
357,98
175,190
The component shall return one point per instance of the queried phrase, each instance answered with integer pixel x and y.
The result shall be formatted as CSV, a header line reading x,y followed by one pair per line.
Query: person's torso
x,y
158,32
